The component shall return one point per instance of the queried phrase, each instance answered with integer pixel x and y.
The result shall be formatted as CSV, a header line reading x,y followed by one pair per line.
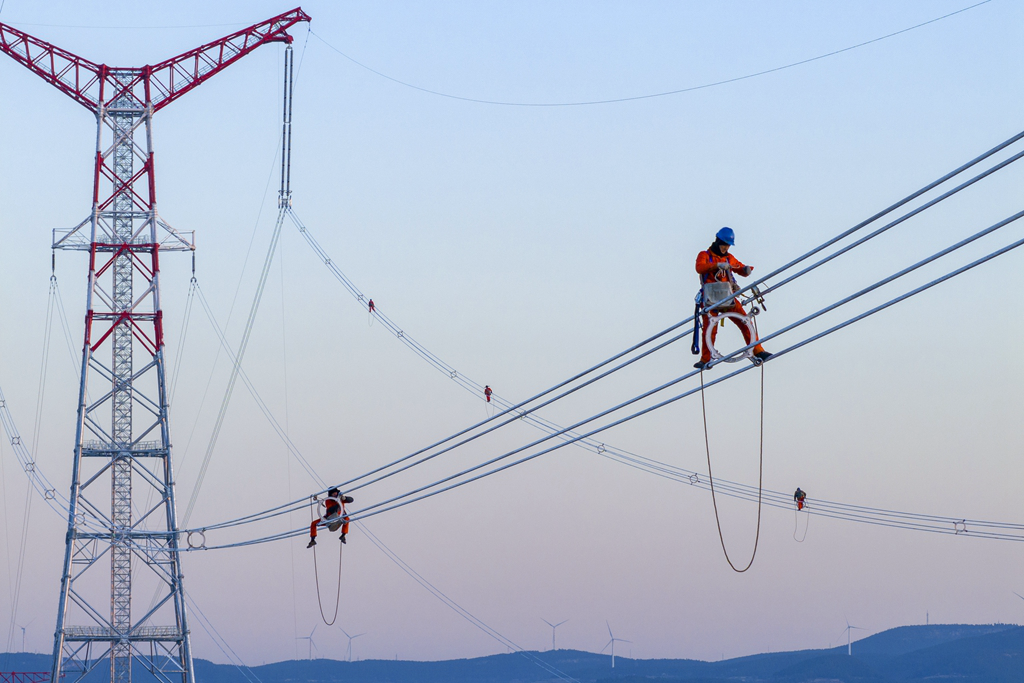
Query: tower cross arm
x,y
174,77
74,76
94,85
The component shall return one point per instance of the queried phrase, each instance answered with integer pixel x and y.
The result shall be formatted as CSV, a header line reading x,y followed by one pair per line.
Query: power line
x,y
550,427
648,96
406,499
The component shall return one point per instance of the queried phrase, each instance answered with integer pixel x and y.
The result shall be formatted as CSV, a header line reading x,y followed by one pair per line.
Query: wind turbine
x,y
348,652
553,627
23,628
612,642
311,643
849,631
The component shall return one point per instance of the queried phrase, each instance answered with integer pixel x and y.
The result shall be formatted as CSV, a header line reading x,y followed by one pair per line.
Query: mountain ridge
x,y
992,653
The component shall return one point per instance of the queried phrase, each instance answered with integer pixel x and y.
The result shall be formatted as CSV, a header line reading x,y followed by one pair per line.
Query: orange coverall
x,y
707,268
335,509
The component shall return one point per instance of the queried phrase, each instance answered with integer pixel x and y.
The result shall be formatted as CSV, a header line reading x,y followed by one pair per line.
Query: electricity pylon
x,y
121,430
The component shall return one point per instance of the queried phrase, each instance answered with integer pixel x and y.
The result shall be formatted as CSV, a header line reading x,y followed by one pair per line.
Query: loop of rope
x,y
760,472
796,525
316,572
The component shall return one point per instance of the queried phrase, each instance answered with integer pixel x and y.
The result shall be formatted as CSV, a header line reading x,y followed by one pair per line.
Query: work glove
x,y
724,265
348,499
747,270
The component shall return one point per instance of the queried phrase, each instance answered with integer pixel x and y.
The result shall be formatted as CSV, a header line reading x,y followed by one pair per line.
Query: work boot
x,y
312,542
343,538
763,356
700,365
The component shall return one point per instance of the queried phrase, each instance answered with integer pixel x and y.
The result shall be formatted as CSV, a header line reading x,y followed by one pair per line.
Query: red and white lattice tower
x,y
122,434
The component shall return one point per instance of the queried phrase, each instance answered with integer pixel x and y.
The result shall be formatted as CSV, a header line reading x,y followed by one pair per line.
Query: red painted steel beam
x,y
76,77
92,85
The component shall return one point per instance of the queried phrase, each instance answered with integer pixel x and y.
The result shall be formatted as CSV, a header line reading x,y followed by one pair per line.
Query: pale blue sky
x,y
522,244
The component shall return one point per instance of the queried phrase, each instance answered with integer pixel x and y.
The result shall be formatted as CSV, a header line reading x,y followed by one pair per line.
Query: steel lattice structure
x,y
25,677
123,432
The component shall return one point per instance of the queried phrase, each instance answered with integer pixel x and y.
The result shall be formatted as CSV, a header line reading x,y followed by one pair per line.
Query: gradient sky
x,y
521,245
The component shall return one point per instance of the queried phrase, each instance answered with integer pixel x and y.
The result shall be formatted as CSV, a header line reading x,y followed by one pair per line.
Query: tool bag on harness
x,y
709,293
717,291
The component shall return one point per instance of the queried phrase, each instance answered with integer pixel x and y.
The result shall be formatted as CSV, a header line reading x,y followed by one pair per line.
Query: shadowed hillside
x,y
914,654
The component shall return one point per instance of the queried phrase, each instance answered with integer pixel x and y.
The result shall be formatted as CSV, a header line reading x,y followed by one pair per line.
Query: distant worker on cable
x,y
487,392
717,265
799,497
334,517
371,307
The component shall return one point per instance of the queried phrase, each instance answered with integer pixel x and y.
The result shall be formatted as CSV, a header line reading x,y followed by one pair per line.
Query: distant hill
x,y
908,654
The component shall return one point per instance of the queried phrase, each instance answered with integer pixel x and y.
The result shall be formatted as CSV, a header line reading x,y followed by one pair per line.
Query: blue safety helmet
x,y
726,235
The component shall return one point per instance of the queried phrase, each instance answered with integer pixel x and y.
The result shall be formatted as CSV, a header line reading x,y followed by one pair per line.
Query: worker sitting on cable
x,y
717,265
334,516
799,497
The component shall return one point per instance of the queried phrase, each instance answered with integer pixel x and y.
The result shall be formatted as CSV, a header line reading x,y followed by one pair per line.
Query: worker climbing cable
x,y
716,268
799,497
334,517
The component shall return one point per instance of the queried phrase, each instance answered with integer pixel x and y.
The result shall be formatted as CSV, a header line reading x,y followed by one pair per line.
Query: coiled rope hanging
x,y
796,526
760,469
316,572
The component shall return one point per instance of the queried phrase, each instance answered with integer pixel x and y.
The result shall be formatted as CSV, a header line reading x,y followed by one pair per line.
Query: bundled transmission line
x,y
525,411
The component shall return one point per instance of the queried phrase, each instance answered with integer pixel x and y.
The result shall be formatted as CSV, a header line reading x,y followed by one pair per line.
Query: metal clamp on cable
x,y
755,295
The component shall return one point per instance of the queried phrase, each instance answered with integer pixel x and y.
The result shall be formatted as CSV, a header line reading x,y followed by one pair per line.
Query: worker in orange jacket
x,y
716,264
334,516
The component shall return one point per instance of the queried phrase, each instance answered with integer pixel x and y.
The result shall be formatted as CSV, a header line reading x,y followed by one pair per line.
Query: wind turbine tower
x,y
348,652
612,642
553,627
849,631
121,431
311,643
